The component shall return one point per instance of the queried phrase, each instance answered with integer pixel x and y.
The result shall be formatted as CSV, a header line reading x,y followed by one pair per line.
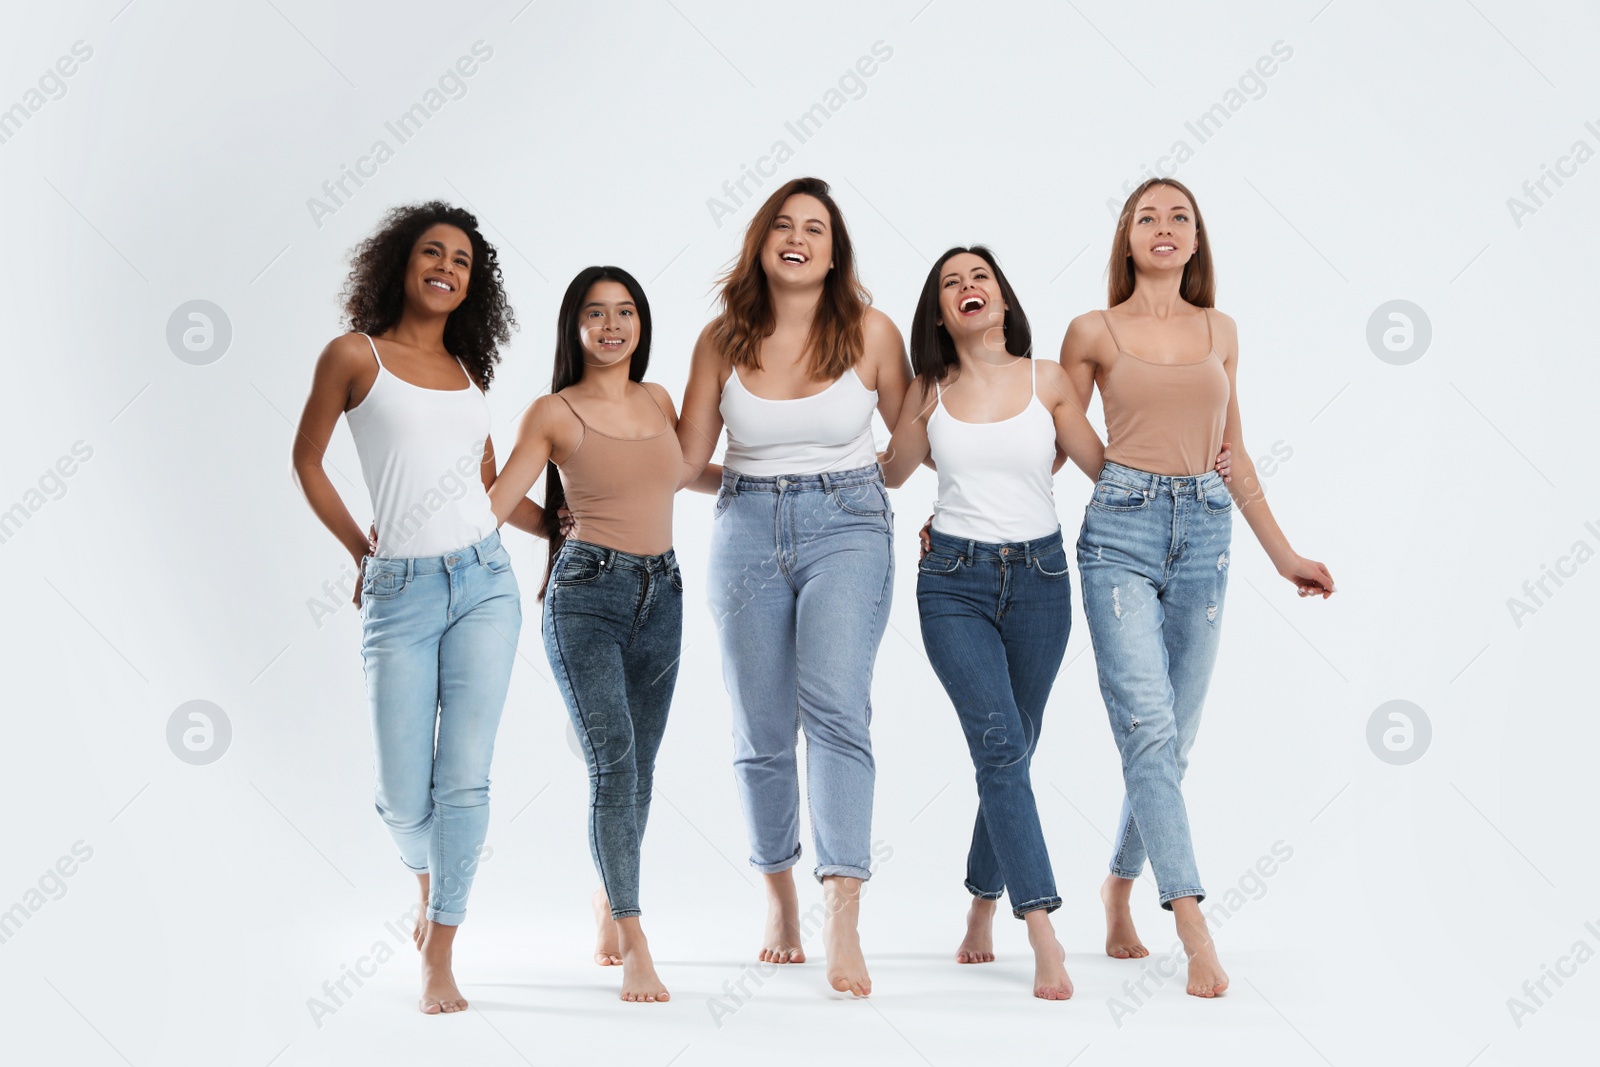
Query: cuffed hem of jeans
x,y
842,870
625,913
983,894
446,918
779,867
1046,904
1167,898
1123,872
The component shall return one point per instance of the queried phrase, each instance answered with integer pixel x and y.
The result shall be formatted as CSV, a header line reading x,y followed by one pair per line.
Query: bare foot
x,y
421,927
1122,941
978,945
780,942
607,946
1050,981
1206,976
439,992
847,968
640,984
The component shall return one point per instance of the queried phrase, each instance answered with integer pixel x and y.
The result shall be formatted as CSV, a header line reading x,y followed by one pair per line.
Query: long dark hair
x,y
933,353
837,338
569,371
375,291
1199,285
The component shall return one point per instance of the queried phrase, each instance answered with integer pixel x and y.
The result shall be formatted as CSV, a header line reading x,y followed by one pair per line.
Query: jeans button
x,y
453,560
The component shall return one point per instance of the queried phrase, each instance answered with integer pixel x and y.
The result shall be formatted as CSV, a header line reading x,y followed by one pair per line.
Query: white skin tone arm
x,y
700,425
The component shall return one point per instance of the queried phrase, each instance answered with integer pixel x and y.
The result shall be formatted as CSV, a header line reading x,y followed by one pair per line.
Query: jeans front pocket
x,y
382,582
1216,499
867,499
936,563
1114,496
1053,564
574,566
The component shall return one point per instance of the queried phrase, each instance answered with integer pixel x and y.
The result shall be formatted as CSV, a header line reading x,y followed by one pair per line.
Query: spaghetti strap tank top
x,y
421,451
829,431
1165,418
995,482
620,489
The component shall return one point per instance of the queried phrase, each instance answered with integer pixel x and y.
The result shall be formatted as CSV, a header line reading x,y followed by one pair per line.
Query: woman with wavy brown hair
x,y
440,608
801,566
1155,549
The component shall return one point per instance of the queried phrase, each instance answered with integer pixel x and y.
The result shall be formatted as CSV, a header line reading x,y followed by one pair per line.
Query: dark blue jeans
x,y
995,619
613,629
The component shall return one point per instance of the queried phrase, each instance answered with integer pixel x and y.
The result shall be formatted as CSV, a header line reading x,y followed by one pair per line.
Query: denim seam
x,y
590,757
1168,897
982,894
1046,904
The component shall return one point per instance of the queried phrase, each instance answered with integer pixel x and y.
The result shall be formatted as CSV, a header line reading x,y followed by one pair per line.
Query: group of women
x,y
801,566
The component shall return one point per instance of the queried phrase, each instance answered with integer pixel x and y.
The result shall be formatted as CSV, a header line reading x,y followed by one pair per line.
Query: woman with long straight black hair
x,y
613,593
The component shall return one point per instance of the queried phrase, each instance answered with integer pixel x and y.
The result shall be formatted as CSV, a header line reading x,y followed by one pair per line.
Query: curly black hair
x,y
374,293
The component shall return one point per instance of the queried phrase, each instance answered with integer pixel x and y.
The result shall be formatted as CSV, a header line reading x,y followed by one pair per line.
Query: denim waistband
x,y
453,560
735,482
611,557
1006,552
1152,484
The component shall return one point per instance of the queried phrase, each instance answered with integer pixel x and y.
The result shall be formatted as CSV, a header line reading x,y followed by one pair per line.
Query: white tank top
x,y
830,431
420,454
995,482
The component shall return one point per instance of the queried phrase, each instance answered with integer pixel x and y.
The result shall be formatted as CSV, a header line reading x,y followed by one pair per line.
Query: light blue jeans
x,y
800,583
1153,557
439,636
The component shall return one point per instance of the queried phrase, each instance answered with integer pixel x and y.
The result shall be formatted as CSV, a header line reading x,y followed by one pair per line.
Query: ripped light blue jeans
x,y
1153,557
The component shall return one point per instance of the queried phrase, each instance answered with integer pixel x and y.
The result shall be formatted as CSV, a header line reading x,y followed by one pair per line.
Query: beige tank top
x,y
1165,418
620,490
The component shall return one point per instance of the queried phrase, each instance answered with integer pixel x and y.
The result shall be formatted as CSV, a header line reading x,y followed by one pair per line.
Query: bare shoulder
x,y
1087,340
1224,333
662,397
349,351
878,329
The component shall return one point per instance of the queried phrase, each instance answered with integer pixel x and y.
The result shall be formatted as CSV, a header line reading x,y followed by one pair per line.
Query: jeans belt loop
x,y
411,568
972,552
827,483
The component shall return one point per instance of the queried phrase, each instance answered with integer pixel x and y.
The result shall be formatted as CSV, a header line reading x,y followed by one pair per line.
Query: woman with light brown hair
x,y
1154,552
802,566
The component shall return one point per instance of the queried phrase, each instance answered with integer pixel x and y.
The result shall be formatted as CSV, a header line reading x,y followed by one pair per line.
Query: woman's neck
x,y
420,330
1156,295
794,308
605,381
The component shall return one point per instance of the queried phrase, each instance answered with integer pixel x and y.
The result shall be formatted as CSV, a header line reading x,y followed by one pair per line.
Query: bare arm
x,y
1309,576
535,443
338,368
909,444
1075,438
700,425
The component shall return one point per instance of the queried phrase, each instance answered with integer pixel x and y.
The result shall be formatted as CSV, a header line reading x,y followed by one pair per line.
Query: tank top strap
x,y
374,346
651,394
1210,344
1113,333
1033,369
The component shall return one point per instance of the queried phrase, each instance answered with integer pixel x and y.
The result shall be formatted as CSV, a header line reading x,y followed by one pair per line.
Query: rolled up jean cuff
x,y
983,894
1167,898
842,870
779,867
1045,904
446,918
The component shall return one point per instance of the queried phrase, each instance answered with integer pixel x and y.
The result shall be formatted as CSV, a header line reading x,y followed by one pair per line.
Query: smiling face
x,y
439,269
970,301
1162,234
799,248
608,324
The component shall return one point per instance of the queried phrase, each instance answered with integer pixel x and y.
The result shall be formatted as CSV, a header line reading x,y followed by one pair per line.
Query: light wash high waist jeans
x,y
439,636
801,578
995,619
613,628
1153,556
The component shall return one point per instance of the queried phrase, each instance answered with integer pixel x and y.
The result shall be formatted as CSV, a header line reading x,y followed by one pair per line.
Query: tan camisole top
x,y
1165,418
620,490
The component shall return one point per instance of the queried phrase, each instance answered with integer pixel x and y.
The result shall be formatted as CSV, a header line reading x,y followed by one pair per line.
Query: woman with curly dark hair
x,y
440,607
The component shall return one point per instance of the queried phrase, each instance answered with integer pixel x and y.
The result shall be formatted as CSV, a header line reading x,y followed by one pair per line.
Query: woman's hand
x,y
927,542
1310,577
568,523
1225,463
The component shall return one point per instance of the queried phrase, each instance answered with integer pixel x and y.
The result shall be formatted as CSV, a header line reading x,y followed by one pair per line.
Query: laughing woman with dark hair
x,y
613,593
440,609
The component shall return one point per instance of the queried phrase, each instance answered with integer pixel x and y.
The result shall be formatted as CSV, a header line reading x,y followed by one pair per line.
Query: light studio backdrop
x,y
1392,792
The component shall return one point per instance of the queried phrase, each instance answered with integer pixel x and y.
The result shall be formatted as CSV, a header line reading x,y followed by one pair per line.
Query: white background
x,y
177,562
